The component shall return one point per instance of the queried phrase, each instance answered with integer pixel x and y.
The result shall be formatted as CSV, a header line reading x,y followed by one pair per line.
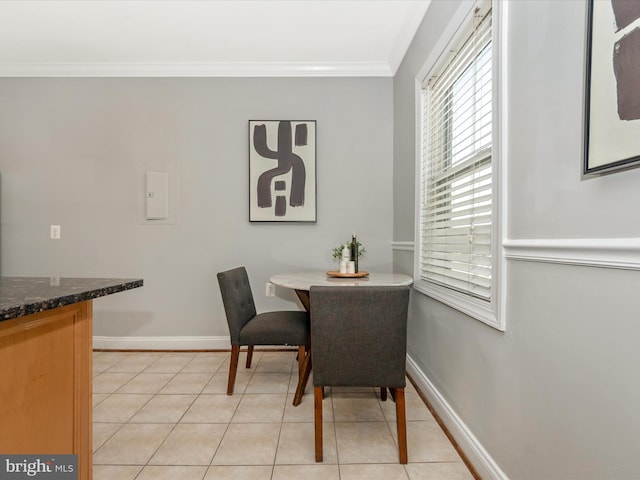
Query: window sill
x,y
481,310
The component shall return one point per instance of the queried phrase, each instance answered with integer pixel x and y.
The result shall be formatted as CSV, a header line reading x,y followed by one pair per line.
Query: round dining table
x,y
302,282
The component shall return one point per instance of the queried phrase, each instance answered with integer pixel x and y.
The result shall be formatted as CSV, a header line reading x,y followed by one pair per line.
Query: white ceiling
x,y
206,37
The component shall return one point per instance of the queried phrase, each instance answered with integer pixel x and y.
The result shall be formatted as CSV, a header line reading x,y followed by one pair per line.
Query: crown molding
x,y
231,69
415,14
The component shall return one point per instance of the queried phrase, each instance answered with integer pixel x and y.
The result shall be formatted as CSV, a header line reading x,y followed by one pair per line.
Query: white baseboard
x,y
486,467
161,343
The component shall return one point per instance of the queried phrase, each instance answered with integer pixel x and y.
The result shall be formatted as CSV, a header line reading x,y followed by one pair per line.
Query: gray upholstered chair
x,y
246,327
359,338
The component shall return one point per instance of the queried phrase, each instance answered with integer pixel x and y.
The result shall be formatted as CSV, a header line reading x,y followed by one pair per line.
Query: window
x,y
457,259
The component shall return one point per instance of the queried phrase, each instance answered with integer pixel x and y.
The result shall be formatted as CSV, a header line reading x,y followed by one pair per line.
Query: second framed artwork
x,y
612,104
282,170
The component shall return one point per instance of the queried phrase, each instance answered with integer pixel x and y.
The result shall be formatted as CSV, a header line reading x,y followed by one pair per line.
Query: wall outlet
x,y
55,232
270,290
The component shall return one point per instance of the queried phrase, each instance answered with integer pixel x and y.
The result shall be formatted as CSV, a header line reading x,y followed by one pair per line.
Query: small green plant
x,y
337,252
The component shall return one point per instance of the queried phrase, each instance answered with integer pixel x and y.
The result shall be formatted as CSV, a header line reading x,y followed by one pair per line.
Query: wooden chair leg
x,y
401,420
392,392
383,394
233,367
302,380
249,355
317,408
301,350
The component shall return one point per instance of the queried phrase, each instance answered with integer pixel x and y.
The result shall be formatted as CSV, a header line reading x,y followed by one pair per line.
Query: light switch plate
x,y
55,232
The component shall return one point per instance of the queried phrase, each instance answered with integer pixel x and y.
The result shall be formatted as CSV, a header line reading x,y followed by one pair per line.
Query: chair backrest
x,y
237,299
359,335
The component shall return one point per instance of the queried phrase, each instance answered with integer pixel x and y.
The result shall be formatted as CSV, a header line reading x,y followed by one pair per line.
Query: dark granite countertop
x,y
20,296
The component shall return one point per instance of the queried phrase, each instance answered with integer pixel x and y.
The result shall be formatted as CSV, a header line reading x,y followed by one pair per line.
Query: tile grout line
x,y
146,464
196,396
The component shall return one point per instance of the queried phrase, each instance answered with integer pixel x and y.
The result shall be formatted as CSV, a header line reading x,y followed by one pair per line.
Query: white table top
x,y
304,280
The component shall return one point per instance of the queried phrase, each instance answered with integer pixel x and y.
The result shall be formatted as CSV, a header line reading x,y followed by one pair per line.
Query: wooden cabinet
x,y
45,385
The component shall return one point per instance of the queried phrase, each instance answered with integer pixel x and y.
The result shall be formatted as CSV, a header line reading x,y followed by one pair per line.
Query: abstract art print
x,y
612,106
282,171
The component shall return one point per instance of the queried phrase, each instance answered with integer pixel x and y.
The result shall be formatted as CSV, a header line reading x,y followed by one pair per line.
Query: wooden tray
x,y
335,274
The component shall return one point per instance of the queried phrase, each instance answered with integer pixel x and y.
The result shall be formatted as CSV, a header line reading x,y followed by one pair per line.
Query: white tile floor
x,y
167,416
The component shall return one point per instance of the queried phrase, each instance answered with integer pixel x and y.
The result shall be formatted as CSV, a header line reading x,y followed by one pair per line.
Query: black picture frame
x,y
282,171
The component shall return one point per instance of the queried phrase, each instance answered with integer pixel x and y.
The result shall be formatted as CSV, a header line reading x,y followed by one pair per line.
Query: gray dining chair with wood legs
x,y
359,339
249,328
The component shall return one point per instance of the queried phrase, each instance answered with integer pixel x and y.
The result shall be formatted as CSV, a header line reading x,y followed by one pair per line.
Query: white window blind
x,y
456,181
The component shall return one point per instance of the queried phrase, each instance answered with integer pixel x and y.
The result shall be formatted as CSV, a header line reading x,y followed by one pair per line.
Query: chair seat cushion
x,y
276,328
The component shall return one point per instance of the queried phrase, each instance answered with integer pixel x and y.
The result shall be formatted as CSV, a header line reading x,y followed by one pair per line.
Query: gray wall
x,y
554,396
74,152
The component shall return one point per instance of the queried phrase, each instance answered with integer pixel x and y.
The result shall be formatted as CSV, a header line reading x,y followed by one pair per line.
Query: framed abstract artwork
x,y
612,104
282,170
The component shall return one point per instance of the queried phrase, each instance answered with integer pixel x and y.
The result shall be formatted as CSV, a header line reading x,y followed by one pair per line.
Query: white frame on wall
x,y
492,313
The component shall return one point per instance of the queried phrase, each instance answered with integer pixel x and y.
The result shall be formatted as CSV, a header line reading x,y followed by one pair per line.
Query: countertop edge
x,y
41,305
